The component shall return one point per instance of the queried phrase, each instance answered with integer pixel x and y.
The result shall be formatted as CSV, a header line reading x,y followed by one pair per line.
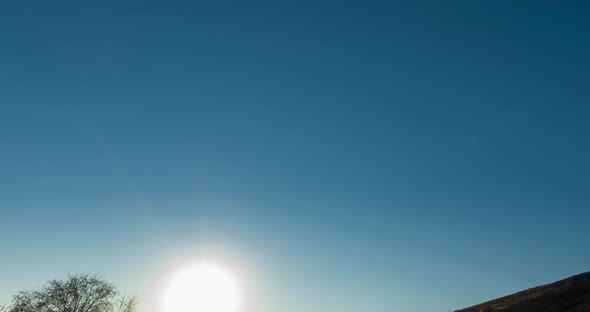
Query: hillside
x,y
568,295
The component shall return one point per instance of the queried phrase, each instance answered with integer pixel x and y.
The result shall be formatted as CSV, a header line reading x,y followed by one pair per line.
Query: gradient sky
x,y
412,156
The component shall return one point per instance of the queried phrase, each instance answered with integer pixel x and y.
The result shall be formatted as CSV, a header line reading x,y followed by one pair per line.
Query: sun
x,y
205,287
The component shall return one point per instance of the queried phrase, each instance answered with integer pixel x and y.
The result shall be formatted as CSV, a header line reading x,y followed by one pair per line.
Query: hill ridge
x,y
571,294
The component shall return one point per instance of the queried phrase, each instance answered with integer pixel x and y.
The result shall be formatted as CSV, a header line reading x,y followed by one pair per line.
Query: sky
x,y
337,156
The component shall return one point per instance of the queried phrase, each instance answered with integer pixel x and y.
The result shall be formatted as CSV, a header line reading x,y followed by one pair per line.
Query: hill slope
x,y
568,295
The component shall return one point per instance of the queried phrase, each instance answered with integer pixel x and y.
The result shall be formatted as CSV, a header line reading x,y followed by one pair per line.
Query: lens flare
x,y
203,288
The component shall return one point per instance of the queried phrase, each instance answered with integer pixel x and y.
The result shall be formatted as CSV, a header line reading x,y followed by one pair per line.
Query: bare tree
x,y
79,293
124,304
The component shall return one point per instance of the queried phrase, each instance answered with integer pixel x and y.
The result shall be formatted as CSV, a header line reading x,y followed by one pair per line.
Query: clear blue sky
x,y
411,156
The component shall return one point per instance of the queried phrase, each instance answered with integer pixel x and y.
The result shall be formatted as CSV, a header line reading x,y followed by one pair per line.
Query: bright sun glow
x,y
202,288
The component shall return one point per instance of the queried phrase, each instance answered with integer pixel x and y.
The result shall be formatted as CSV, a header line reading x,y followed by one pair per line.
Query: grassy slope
x,y
568,295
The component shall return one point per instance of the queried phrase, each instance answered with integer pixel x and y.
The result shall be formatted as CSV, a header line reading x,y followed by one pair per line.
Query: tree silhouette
x,y
78,293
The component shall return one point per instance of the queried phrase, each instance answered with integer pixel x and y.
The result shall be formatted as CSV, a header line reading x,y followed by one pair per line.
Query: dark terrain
x,y
568,295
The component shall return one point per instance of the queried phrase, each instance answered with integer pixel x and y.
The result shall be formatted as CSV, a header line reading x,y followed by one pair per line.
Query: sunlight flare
x,y
205,287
